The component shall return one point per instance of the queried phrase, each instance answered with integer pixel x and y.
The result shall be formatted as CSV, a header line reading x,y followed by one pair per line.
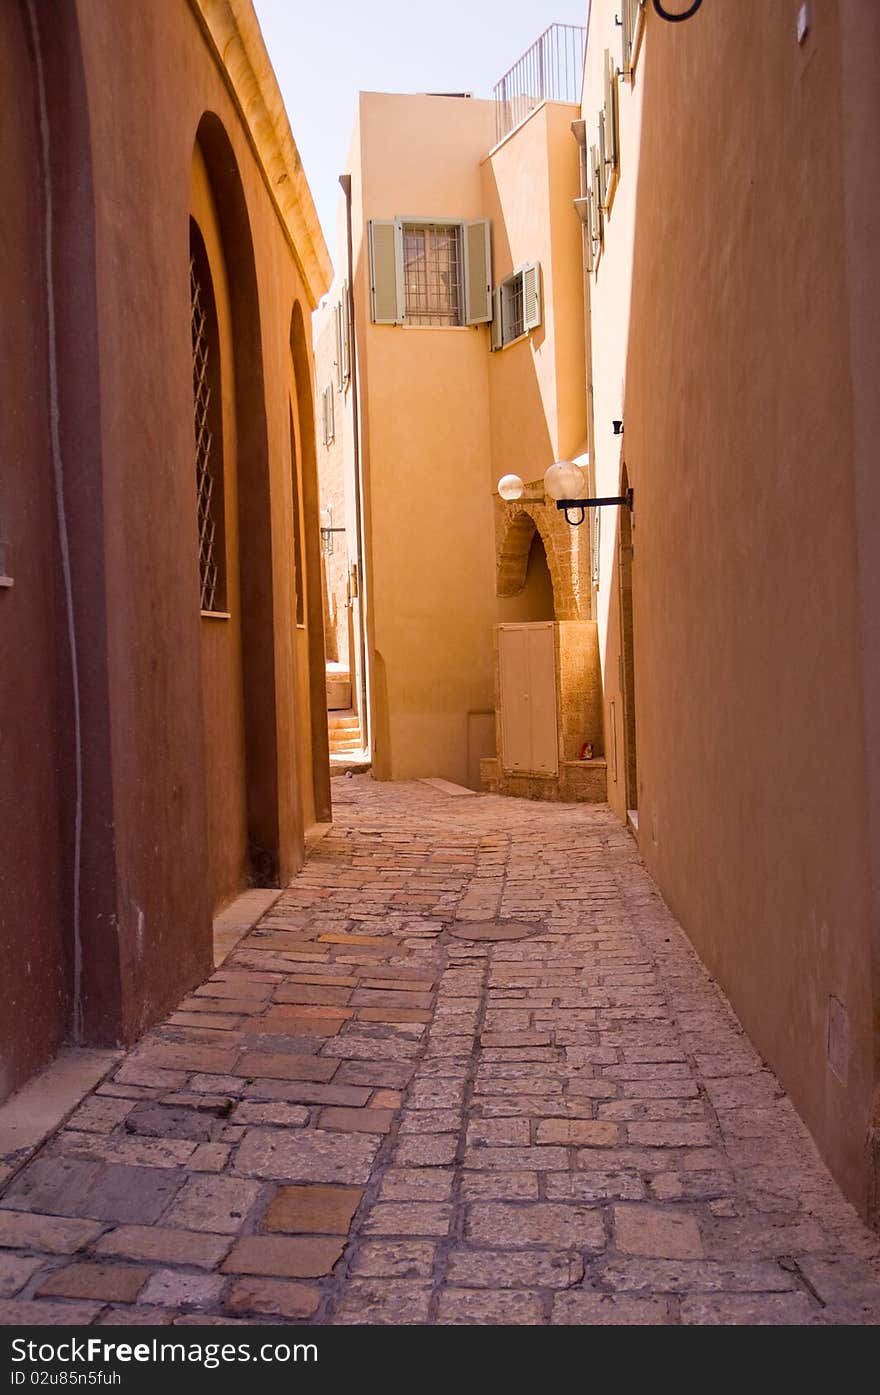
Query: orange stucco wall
x,y
742,217
127,88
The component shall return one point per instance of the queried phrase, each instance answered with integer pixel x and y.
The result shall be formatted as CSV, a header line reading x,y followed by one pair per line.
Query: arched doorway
x,y
233,528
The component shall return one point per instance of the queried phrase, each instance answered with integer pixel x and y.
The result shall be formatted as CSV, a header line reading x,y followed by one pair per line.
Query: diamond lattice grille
x,y
208,569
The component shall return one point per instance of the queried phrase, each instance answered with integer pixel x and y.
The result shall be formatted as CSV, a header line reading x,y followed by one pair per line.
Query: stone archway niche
x,y
577,672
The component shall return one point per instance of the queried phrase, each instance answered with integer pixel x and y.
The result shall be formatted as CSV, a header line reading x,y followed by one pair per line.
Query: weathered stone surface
x,y
356,1120
163,1245
213,1204
584,1309
384,1301
272,1298
591,1133
552,1156
408,1218
530,1269
284,1256
51,1234
468,1307
750,1310
112,1283
426,1150
416,1184
176,1290
318,1210
15,1270
398,1259
550,1224
646,1230
313,1155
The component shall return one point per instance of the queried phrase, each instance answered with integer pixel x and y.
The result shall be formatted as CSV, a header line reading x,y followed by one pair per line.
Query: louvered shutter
x,y
339,350
596,198
477,272
588,231
496,319
346,334
385,289
612,151
531,284
327,402
603,169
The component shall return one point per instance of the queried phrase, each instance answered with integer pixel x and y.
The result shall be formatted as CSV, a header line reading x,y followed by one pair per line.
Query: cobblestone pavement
x,y
362,1118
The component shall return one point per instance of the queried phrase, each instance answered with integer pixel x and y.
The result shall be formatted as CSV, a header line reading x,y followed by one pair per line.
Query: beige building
x,y
469,364
731,232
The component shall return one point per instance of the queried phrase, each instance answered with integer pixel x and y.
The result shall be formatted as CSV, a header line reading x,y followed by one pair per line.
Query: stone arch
x,y
520,524
252,500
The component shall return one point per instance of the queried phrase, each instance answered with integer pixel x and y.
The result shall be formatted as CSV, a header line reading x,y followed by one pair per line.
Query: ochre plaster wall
x,y
127,87
739,441
34,674
426,444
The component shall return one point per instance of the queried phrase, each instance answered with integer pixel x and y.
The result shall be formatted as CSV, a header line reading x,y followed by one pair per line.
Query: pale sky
x,y
324,54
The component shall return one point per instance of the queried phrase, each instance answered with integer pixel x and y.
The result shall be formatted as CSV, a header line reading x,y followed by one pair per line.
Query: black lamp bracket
x,y
581,505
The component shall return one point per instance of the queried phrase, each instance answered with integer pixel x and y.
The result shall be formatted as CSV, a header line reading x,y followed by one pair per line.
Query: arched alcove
x,y
248,677
517,533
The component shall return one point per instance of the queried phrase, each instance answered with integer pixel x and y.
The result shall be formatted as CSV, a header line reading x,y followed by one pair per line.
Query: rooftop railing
x,y
550,71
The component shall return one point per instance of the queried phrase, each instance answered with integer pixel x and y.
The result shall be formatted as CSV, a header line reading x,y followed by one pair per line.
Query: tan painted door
x,y
527,663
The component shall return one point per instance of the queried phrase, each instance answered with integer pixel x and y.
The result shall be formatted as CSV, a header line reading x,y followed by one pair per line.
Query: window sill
x,y
6,582
216,615
510,343
443,329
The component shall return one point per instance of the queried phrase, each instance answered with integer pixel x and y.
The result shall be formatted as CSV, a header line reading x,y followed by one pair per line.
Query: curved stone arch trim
x,y
517,531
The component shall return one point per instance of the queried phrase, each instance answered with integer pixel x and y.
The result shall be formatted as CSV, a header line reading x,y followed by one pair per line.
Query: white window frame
x,y
513,285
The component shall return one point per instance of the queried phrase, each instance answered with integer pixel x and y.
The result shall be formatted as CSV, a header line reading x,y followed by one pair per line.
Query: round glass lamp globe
x,y
565,480
510,487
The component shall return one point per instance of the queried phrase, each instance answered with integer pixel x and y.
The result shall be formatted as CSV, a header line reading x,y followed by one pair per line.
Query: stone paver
x,y
370,1113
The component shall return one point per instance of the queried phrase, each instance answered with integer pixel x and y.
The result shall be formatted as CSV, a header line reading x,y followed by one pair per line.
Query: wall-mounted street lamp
x,y
566,483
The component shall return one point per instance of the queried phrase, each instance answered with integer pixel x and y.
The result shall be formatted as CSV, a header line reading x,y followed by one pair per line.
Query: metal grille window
x,y
432,274
208,430
517,305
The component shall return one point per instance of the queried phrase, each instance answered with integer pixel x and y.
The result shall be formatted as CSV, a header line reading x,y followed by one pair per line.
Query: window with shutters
x,y
343,340
630,35
609,133
517,305
433,273
208,423
329,422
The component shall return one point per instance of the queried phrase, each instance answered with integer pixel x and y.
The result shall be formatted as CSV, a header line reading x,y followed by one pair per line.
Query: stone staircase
x,y
345,733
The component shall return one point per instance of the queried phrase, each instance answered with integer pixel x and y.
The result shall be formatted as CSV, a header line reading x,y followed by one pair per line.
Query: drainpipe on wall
x,y
345,182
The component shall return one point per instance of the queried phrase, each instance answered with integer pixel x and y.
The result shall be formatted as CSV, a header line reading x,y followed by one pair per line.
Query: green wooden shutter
x,y
385,289
476,241
531,283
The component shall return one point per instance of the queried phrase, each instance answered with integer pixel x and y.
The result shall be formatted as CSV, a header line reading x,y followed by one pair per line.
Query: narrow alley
x,y
466,1070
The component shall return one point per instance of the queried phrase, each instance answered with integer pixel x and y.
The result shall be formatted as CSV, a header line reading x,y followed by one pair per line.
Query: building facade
x,y
732,210
163,732
467,352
